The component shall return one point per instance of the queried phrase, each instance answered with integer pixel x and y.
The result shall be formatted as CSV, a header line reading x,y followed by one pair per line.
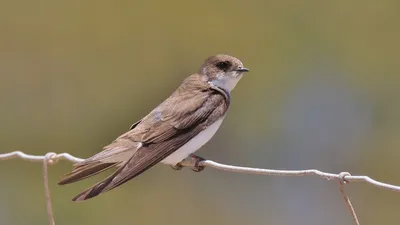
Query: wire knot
x,y
51,158
342,177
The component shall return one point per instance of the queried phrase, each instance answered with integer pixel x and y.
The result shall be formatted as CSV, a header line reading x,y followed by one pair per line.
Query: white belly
x,y
193,145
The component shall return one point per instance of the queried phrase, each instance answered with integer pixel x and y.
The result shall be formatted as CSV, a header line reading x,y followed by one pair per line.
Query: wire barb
x,y
48,160
342,182
343,178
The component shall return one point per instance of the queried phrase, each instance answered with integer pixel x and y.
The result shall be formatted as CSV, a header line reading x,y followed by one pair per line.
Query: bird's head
x,y
223,71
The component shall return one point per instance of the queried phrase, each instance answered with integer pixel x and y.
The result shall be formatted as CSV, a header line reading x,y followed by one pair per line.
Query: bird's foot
x,y
177,166
197,160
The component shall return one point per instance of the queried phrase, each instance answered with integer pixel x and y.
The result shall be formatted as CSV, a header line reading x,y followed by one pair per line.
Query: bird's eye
x,y
223,65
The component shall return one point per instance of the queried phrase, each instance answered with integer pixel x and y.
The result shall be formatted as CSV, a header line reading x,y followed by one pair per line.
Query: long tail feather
x,y
94,190
84,171
98,188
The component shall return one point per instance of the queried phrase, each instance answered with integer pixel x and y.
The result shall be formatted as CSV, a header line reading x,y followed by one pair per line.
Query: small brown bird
x,y
175,129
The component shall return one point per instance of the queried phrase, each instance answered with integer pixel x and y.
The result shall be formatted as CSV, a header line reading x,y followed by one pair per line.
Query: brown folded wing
x,y
162,132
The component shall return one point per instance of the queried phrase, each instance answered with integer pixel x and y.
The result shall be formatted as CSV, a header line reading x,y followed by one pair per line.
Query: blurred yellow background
x,y
323,93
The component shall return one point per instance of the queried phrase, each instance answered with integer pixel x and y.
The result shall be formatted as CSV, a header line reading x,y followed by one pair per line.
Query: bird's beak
x,y
242,69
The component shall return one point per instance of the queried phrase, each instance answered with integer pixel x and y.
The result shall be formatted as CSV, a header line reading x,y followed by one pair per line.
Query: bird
x,y
170,133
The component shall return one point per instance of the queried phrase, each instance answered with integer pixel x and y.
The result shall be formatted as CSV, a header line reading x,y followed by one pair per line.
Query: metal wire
x,y
343,178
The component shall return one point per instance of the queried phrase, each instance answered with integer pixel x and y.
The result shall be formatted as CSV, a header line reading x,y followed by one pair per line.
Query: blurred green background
x,y
323,92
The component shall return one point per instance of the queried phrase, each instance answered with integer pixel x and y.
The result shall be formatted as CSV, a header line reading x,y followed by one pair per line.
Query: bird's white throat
x,y
227,81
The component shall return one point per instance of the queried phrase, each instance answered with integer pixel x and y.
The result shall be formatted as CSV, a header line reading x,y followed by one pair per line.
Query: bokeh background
x,y
323,92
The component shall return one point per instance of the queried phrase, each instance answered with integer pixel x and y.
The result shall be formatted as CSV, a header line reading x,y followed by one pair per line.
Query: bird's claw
x,y
197,160
177,166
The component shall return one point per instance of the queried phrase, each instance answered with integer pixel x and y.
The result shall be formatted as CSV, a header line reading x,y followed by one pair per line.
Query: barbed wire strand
x,y
49,158
346,198
344,177
48,161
